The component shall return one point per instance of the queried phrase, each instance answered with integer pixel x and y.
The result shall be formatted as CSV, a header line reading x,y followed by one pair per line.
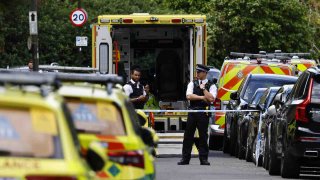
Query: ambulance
x,y
165,47
234,70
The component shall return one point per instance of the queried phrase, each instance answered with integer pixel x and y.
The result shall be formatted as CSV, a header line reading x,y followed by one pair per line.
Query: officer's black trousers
x,y
201,122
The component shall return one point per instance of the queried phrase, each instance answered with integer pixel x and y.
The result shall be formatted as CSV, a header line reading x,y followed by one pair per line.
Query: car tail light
x,y
217,104
130,158
301,112
50,178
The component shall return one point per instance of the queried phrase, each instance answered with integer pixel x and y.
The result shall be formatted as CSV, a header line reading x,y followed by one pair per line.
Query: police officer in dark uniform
x,y
200,93
135,90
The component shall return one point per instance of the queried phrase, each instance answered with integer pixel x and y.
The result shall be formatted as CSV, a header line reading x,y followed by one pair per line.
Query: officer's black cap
x,y
203,68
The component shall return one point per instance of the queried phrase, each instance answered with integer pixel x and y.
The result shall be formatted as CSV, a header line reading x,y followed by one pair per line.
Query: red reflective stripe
x,y
102,174
267,69
113,142
308,65
235,79
285,71
221,92
230,67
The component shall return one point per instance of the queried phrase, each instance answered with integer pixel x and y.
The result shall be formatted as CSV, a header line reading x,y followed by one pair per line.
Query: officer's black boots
x,y
204,162
183,162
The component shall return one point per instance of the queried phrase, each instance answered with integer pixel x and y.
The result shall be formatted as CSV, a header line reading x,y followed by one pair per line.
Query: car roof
x,y
92,90
273,76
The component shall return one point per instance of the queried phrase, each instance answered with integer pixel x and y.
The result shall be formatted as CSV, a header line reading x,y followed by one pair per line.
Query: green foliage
x,y
237,25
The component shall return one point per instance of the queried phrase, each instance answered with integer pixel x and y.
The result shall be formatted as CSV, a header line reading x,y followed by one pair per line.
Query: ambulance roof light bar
x,y
266,56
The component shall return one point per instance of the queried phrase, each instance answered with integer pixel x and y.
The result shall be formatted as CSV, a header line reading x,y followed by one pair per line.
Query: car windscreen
x,y
254,84
213,74
255,99
29,132
96,117
270,98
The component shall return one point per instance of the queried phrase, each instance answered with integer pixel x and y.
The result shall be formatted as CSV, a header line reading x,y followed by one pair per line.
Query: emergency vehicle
x,y
165,47
233,71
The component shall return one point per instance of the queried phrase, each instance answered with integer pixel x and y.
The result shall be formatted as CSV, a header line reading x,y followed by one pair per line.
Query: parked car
x,y
256,132
239,101
298,128
233,72
272,148
244,122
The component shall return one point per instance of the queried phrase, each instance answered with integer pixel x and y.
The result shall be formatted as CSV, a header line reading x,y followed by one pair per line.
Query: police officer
x,y
200,93
135,90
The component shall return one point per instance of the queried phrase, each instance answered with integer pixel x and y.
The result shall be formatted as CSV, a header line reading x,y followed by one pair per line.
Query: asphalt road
x,y
223,166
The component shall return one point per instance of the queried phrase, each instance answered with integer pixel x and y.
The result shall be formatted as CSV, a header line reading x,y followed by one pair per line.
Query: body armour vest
x,y
136,92
199,104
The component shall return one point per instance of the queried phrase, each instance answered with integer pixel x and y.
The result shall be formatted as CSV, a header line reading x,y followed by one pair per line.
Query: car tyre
x,y
215,142
225,147
289,166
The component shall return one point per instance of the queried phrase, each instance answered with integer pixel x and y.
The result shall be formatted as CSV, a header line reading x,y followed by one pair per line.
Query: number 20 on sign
x,y
78,17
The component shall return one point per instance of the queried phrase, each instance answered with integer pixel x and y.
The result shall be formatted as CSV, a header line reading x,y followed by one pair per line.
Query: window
x,y
96,117
104,57
301,86
133,116
254,84
315,95
29,132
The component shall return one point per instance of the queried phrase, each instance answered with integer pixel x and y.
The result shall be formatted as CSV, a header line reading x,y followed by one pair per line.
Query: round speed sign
x,y
78,17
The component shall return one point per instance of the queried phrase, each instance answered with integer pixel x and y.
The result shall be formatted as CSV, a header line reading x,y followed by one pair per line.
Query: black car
x,y
243,124
298,128
272,152
240,99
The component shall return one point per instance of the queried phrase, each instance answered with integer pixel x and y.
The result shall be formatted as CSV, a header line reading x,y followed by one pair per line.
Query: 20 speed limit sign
x,y
78,17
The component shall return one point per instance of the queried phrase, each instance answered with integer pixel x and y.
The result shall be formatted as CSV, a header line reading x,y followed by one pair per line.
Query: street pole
x,y
34,39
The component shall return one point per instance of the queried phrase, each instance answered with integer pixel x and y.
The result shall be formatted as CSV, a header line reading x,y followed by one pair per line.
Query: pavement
x,y
170,145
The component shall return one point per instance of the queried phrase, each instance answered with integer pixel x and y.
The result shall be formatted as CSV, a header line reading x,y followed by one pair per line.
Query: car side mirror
x,y
142,117
96,156
244,106
278,98
272,110
214,80
147,137
234,95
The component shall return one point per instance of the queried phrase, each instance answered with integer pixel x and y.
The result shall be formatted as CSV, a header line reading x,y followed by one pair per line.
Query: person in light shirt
x,y
135,90
200,93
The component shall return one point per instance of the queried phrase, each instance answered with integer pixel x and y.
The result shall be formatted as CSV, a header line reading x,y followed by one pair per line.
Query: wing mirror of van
x,y
96,156
143,118
234,96
272,110
147,137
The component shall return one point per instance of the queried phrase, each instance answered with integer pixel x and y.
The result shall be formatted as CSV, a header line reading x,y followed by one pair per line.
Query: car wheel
x,y
248,155
241,151
254,145
232,140
289,166
225,147
274,162
266,152
215,142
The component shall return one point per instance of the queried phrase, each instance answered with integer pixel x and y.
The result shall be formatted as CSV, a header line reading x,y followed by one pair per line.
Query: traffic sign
x,y
81,41
78,17
33,22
